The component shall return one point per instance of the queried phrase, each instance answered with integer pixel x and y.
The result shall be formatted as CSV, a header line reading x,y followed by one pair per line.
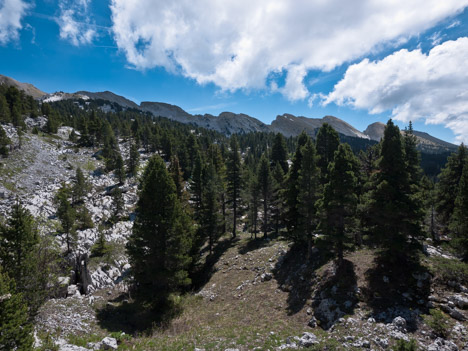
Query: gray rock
x,y
312,322
382,342
308,340
266,277
69,347
109,343
399,323
73,290
442,345
460,300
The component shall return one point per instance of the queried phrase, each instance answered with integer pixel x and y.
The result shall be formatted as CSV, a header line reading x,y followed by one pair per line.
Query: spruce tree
x,y
326,143
15,328
234,181
159,245
265,184
396,215
339,201
279,153
459,219
308,192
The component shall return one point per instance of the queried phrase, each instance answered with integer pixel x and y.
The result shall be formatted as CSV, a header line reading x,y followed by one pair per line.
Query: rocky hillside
x,y
254,294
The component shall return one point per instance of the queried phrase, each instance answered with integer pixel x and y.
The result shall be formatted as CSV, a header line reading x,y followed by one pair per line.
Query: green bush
x,y
403,345
446,269
439,322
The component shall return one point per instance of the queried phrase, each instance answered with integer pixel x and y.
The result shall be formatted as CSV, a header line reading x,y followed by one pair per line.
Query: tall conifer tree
x,y
234,181
339,201
161,239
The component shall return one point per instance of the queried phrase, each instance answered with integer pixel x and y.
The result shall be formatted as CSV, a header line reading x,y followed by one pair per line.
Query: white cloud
x,y
11,13
74,22
413,86
238,44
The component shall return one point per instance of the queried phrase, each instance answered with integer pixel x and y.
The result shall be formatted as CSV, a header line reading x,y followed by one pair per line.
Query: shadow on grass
x,y
254,244
336,293
296,275
135,318
204,273
398,288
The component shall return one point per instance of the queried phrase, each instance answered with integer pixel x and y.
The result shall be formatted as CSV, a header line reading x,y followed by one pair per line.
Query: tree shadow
x,y
296,275
336,293
135,317
254,244
398,288
204,273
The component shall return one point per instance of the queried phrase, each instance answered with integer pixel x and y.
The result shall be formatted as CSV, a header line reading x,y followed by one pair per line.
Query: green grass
x,y
446,270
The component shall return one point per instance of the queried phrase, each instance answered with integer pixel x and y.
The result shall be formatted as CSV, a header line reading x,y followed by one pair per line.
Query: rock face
x,y
426,143
290,125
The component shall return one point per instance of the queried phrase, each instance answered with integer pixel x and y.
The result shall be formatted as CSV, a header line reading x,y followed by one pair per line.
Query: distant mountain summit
x,y
29,89
231,123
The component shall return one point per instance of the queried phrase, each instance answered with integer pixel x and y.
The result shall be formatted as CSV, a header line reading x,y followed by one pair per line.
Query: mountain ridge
x,y
231,123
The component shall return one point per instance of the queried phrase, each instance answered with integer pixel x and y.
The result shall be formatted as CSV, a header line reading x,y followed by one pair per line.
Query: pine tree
x,y
118,204
119,168
339,201
210,217
177,176
196,186
253,197
291,214
4,143
133,160
66,214
4,110
159,245
326,143
25,257
459,219
279,153
80,187
308,192
234,181
15,328
277,196
393,207
18,240
265,184
448,184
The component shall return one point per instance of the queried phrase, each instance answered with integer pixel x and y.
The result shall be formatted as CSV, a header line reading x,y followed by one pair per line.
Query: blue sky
x,y
363,63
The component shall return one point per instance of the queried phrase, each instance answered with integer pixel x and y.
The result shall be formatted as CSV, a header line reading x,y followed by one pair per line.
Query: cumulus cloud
x,y
74,22
239,44
413,86
11,13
